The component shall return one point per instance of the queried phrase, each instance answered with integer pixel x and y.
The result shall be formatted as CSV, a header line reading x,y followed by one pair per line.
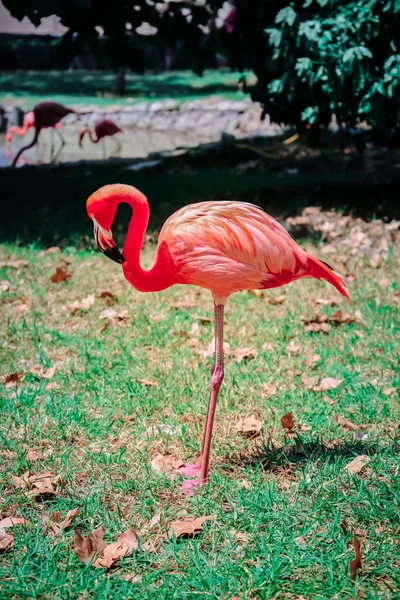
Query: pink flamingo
x,y
102,129
29,122
45,114
222,246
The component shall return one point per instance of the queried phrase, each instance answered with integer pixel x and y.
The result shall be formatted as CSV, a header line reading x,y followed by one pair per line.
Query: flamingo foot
x,y
190,470
189,485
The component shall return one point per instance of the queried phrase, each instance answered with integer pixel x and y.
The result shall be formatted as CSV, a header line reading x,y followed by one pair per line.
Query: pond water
x,y
134,143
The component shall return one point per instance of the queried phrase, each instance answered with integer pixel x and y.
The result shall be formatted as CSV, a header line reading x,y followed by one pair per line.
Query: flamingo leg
x,y
62,144
51,144
103,145
217,376
117,147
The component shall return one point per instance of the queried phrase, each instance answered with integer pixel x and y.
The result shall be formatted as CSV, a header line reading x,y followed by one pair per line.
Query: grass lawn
x,y
26,88
284,507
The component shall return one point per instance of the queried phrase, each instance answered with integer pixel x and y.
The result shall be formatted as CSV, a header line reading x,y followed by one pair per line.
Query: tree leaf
x,y
87,547
188,528
356,563
358,463
112,553
249,425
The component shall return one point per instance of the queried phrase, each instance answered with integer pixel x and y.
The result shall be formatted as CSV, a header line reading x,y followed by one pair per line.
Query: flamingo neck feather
x,y
160,276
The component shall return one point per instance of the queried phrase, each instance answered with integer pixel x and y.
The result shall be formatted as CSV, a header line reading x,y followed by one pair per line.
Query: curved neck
x,y
92,139
162,273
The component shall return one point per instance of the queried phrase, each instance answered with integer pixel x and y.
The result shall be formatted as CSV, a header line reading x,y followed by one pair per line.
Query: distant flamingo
x,y
102,129
222,246
46,114
29,122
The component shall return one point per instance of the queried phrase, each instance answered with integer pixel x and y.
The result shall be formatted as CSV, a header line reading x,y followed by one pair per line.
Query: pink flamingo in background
x,y
45,114
102,128
222,246
29,122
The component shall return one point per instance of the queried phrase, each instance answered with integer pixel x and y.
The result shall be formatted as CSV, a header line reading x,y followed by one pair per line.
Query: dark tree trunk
x,y
120,82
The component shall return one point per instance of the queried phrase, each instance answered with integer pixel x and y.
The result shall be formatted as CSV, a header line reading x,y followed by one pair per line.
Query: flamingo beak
x,y
105,242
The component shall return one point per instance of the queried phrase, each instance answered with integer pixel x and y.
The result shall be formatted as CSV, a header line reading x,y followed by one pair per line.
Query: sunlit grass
x,y
277,512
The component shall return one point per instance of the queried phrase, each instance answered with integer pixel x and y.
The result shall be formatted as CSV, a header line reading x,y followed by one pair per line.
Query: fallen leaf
x,y
51,250
13,264
302,427
41,485
51,385
108,295
326,302
346,423
147,382
317,328
83,304
165,464
12,379
376,260
60,274
243,354
329,383
388,391
155,520
20,482
87,547
269,389
288,421
184,305
267,346
32,455
43,373
111,313
194,330
300,541
356,563
293,348
11,522
59,526
112,553
358,463
249,425
277,299
6,540
188,528
132,578
204,320
310,382
4,285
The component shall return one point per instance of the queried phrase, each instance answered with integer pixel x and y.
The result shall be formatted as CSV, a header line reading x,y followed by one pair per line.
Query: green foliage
x,y
314,58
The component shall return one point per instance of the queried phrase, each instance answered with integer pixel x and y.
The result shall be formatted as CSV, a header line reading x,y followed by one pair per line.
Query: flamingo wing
x,y
230,246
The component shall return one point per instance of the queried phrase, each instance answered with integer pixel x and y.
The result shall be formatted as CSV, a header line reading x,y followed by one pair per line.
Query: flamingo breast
x,y
230,246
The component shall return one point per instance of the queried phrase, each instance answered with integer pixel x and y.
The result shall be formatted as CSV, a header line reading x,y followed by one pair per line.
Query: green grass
x,y
26,88
263,494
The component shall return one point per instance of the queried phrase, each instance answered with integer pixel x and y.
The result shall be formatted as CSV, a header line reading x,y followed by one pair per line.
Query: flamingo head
x,y
101,208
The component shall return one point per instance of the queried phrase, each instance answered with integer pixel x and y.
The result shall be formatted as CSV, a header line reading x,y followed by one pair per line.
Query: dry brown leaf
x,y
20,482
267,346
83,304
51,385
358,463
269,389
51,250
165,464
293,348
4,285
250,426
41,485
13,264
277,299
87,547
346,423
204,320
288,421
32,455
376,260
42,373
58,525
183,305
326,301
13,378
155,520
6,540
188,528
11,522
194,330
112,553
147,382
388,391
108,295
329,383
111,313
60,274
356,563
317,328
244,354
132,577
310,382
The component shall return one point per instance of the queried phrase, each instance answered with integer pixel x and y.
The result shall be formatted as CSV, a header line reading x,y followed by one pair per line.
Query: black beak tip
x,y
115,254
